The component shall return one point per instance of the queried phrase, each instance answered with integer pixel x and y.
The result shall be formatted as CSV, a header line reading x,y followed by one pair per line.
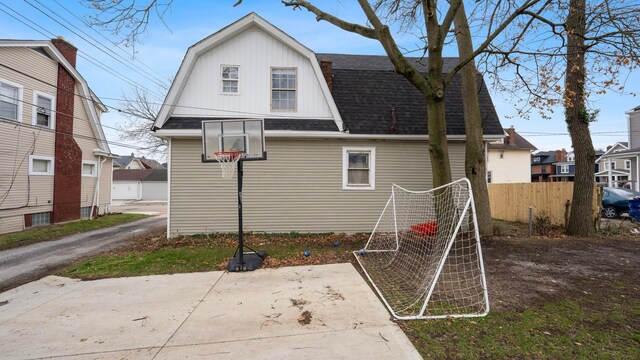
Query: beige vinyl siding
x,y
634,129
513,167
299,187
105,182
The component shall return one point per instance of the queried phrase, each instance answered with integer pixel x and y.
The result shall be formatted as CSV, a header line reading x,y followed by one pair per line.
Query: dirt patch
x,y
305,318
299,303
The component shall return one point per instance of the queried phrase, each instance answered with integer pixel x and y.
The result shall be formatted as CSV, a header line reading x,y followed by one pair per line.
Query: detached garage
x,y
143,184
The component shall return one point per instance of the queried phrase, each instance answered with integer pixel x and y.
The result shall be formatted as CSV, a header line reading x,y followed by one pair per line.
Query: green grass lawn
x,y
589,327
53,232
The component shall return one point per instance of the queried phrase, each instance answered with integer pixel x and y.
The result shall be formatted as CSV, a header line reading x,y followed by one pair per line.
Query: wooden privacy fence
x,y
511,202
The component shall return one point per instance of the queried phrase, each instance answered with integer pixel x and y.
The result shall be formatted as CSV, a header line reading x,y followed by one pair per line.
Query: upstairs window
x,y
627,164
564,169
536,159
283,89
43,110
10,97
230,79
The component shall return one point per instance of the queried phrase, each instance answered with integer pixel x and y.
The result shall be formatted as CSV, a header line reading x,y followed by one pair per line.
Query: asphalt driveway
x,y
28,263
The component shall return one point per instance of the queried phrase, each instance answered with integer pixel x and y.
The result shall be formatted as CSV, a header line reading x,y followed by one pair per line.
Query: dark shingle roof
x,y
365,97
269,124
123,161
379,62
636,108
520,144
546,157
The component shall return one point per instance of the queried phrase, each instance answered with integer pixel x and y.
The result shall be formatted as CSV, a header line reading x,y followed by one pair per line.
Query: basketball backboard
x,y
245,135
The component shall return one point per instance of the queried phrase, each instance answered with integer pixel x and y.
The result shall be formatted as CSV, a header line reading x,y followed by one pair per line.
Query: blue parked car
x,y
615,201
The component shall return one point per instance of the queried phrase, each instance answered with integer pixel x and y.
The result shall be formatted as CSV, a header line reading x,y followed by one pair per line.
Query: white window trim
x,y
34,112
345,167
20,95
222,80
625,164
95,168
295,89
37,157
564,169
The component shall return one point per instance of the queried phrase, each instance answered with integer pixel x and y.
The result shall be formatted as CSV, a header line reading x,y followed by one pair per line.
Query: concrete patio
x,y
256,315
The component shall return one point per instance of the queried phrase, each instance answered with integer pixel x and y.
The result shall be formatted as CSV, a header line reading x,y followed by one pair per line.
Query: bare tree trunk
x,y
577,117
474,164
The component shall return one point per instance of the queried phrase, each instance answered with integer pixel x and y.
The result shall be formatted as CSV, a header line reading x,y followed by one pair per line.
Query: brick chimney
x,y
327,71
512,135
561,155
68,51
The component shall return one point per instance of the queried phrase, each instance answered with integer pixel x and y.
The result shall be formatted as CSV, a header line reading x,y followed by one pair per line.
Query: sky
x,y
158,57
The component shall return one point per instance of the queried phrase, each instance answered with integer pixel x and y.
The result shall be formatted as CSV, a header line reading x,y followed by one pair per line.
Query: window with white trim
x,y
89,168
627,164
564,169
283,89
230,79
43,112
10,101
40,165
358,168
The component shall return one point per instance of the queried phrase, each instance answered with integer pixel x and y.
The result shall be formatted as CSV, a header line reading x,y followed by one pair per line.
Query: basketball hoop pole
x,y
240,237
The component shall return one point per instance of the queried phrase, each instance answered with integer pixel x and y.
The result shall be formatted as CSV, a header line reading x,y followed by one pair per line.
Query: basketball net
x,y
228,161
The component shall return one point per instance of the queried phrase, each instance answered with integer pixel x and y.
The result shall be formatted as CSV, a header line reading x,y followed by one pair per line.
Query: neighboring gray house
x,y
139,184
630,157
339,104
618,169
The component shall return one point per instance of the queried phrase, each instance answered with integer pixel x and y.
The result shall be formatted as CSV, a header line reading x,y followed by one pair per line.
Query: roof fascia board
x,y
613,148
196,133
223,35
87,97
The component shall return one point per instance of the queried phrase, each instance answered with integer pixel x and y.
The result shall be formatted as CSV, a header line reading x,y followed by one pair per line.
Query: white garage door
x,y
126,190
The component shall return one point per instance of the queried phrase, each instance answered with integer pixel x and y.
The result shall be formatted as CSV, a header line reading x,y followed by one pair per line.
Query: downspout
x,y
96,191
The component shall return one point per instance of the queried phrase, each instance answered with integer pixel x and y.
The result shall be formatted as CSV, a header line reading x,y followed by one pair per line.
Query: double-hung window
x,y
230,78
43,110
283,89
564,169
627,164
358,168
10,101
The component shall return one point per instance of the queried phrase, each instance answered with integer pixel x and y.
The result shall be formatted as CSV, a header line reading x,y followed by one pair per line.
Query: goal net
x,y
423,256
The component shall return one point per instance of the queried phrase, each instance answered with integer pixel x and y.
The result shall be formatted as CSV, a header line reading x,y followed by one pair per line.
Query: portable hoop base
x,y
242,261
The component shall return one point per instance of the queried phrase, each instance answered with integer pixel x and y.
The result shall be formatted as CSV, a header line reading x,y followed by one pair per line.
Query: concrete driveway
x,y
306,312
139,207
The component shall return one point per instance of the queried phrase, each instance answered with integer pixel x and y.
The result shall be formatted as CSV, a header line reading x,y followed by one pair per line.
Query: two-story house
x,y
55,163
613,171
543,165
509,159
339,130
629,158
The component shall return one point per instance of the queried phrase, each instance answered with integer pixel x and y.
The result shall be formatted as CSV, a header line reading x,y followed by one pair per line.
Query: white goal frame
x,y
457,232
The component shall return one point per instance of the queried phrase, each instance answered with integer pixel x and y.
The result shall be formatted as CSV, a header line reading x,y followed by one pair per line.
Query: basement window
x,y
358,168
85,212
43,218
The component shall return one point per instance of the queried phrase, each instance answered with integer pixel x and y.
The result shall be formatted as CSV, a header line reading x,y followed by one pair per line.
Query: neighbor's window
x,y
536,159
564,169
10,100
501,154
230,79
358,168
89,168
43,106
488,177
40,165
627,164
283,89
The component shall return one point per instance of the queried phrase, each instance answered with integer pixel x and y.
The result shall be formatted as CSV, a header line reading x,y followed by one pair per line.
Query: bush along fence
x,y
525,202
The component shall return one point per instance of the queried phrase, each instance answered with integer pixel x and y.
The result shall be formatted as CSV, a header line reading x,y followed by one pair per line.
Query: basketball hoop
x,y
228,161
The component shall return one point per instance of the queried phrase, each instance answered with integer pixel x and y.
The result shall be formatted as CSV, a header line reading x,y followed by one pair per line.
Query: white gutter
x,y
196,133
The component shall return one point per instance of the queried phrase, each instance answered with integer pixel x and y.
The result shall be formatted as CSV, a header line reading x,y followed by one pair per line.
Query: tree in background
x,y
592,46
141,112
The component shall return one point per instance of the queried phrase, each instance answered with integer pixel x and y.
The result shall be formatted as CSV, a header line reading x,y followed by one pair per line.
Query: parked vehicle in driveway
x,y
615,201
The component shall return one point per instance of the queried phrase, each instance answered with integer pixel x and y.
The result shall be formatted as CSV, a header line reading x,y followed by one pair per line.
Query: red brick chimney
x,y
561,155
327,71
68,51
512,135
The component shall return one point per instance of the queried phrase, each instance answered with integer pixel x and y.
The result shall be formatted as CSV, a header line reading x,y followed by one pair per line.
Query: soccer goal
x,y
424,257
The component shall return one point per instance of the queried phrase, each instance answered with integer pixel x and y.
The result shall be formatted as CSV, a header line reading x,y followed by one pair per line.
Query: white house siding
x,y
20,193
299,187
255,52
154,190
127,190
514,167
